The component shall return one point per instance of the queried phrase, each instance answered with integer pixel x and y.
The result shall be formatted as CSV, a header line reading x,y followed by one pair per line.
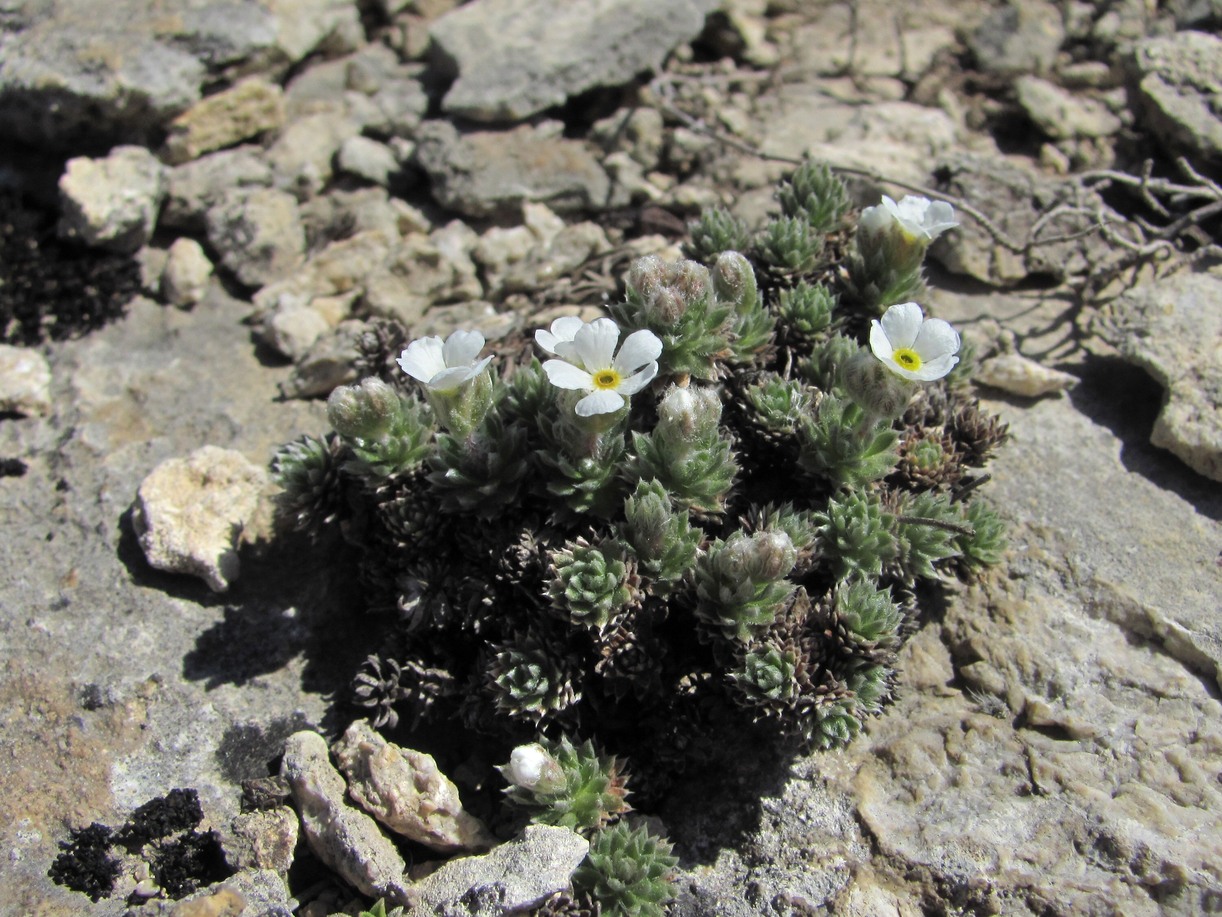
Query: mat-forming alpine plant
x,y
708,518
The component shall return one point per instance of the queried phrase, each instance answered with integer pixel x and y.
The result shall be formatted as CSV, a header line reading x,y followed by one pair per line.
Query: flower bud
x,y
874,388
532,768
773,555
364,411
734,281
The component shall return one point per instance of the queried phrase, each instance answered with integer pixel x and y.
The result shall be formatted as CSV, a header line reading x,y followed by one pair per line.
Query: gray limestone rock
x,y
1178,85
1173,330
196,187
1016,200
1062,115
491,173
258,234
405,791
365,158
1023,36
187,272
25,381
329,363
190,513
303,156
112,203
514,58
511,879
242,112
342,836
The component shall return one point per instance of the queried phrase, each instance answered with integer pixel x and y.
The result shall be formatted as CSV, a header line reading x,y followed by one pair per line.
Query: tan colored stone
x,y
242,112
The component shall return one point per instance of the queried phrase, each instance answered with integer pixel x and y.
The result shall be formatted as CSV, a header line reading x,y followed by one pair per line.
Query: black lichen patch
x,y
178,810
85,865
194,860
53,289
12,468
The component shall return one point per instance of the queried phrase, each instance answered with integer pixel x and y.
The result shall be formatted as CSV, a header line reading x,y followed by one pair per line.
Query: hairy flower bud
x,y
877,390
734,281
364,411
532,768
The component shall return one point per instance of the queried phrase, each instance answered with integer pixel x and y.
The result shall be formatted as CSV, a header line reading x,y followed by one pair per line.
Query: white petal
x,y
639,348
450,378
941,217
423,358
875,219
600,402
892,207
878,342
936,369
902,323
594,344
566,375
462,347
936,339
563,329
633,384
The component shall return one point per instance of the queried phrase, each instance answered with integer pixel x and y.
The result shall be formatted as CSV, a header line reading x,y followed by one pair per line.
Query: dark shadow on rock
x,y
293,598
1126,400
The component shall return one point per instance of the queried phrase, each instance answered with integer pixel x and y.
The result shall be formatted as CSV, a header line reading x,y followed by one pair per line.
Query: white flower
x,y
918,217
912,346
591,364
445,367
563,330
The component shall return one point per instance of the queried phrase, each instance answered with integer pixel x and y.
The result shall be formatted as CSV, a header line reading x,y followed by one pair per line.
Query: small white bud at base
x,y
531,767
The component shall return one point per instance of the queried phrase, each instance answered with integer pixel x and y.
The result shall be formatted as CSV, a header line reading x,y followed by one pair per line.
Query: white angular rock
x,y
342,836
25,381
190,512
196,187
1018,375
1062,115
366,158
329,363
112,202
404,790
512,879
184,280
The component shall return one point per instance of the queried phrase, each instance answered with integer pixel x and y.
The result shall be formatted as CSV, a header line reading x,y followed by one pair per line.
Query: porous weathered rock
x,y
514,58
190,512
258,235
250,891
1018,375
303,156
405,791
424,270
513,878
342,836
1178,81
263,839
1173,330
112,202
25,381
491,173
186,274
242,112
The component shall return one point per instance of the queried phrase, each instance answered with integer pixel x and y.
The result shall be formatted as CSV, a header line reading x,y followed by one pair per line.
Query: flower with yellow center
x,y
918,218
912,346
591,364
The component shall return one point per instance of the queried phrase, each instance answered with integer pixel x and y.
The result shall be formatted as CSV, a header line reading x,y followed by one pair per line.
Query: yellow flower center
x,y
907,358
607,379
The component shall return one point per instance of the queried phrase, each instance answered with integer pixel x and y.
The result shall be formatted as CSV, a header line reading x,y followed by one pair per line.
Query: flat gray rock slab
x,y
1179,82
514,58
1173,330
491,173
74,71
